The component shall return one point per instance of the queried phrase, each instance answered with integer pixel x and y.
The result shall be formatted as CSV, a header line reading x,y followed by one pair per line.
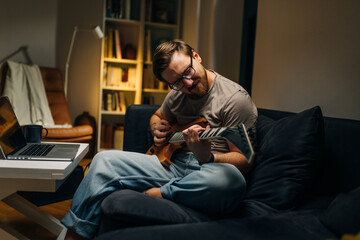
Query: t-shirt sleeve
x,y
165,107
240,109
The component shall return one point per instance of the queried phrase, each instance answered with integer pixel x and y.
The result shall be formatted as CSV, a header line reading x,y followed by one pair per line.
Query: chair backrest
x,y
137,136
55,94
54,89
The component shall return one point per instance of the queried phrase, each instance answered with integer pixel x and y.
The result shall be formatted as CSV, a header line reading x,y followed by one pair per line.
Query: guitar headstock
x,y
239,137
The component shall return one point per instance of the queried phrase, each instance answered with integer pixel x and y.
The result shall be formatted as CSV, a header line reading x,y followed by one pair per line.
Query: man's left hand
x,y
200,148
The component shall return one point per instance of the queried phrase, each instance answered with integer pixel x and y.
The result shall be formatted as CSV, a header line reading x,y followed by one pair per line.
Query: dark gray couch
x,y
305,184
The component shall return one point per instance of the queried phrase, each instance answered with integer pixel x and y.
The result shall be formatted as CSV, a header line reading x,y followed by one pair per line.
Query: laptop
x,y
13,144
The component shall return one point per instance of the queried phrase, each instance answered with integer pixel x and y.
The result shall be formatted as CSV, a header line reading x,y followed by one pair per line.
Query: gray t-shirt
x,y
226,104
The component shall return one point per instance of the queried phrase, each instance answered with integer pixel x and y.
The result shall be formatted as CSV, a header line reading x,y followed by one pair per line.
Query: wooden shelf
x,y
119,89
161,25
152,90
112,112
122,61
123,21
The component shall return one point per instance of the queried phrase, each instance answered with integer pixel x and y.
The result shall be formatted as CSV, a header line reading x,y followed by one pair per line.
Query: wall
x,y
32,24
84,70
191,9
227,32
205,37
307,53
214,29
46,27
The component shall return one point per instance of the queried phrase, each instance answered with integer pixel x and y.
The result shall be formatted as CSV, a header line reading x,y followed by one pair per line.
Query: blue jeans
x,y
211,188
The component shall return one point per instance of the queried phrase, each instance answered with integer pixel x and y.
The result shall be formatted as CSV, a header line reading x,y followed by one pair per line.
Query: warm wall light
x,y
98,33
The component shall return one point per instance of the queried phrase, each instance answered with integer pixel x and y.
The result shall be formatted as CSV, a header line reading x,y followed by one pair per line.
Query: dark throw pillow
x,y
288,153
343,215
128,208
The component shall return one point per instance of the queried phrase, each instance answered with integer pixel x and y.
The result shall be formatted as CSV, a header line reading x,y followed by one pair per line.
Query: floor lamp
x,y
98,33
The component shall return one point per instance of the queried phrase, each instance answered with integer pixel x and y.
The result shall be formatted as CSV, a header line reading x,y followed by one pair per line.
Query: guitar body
x,y
165,153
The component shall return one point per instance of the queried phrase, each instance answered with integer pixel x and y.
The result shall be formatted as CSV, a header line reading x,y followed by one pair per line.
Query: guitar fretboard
x,y
211,133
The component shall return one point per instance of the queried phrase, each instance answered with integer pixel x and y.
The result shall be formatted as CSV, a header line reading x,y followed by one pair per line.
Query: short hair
x,y
164,52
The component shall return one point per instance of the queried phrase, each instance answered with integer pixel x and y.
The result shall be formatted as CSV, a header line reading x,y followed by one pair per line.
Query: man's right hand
x,y
160,129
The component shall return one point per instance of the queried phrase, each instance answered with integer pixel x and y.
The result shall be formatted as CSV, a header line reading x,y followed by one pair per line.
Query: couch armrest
x,y
73,132
137,136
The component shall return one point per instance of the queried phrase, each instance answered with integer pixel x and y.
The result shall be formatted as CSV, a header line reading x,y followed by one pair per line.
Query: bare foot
x,y
71,235
154,192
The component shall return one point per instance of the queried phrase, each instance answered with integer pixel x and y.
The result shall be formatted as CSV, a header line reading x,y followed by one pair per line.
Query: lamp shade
x,y
98,33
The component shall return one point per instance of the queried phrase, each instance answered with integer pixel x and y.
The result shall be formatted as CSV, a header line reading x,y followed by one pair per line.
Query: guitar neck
x,y
211,133
236,135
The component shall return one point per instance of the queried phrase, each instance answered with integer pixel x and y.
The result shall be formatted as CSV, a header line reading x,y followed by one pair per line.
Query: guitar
x,y
238,136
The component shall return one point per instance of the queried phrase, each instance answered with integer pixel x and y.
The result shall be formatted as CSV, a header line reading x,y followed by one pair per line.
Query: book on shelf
x,y
135,9
114,101
119,9
102,135
148,100
108,8
118,137
148,78
117,44
109,102
112,137
105,74
115,76
131,77
122,102
112,43
151,82
109,42
126,6
107,134
164,11
161,11
160,85
148,8
147,46
106,43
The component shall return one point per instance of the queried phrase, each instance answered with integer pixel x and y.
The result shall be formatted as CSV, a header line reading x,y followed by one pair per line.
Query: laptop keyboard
x,y
38,150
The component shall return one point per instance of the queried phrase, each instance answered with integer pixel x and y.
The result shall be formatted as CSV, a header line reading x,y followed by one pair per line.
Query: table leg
x,y
9,233
37,215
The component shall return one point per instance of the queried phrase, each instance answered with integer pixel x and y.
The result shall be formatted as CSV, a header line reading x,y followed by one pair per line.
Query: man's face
x,y
197,85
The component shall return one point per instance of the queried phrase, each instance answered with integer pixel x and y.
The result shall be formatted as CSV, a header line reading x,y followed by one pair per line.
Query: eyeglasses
x,y
187,74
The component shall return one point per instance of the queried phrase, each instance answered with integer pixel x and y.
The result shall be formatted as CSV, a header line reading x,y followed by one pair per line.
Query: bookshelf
x,y
133,29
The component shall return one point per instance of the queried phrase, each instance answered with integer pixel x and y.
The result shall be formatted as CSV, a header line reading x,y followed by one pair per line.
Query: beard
x,y
202,85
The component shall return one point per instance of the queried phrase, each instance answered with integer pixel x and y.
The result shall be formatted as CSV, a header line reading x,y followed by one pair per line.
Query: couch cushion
x,y
288,153
271,227
127,208
343,214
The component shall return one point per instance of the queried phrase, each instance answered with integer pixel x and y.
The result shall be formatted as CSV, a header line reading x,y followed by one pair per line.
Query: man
x,y
204,175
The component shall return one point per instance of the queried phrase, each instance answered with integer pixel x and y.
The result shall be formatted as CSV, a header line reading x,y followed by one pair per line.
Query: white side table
x,y
41,176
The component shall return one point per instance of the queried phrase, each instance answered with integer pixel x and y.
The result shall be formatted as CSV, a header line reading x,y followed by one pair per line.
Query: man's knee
x,y
105,160
227,180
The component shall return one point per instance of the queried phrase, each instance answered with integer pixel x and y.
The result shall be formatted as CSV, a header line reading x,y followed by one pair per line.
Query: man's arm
x,y
234,157
159,127
202,150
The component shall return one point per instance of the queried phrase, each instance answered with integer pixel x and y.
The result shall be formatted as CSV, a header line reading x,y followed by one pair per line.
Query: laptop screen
x,y
11,135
